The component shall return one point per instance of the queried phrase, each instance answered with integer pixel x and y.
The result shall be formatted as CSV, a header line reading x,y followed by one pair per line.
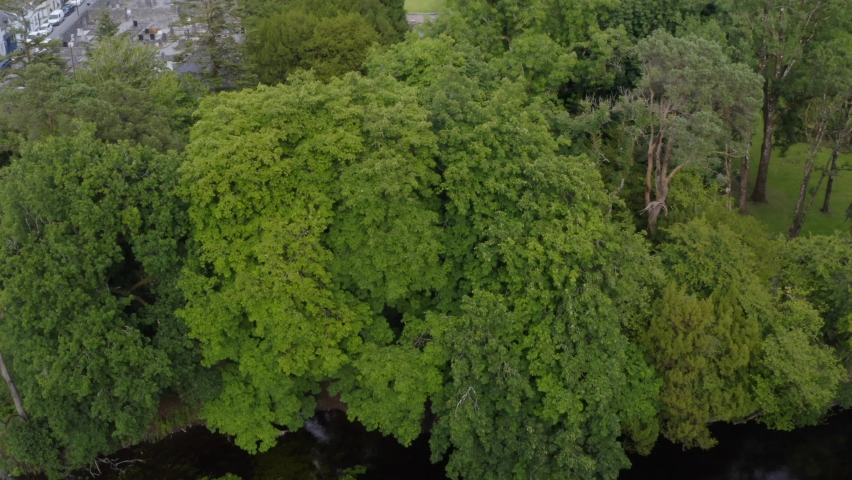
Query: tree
x,y
21,10
107,27
799,377
214,41
818,269
841,126
703,383
120,59
691,100
777,34
13,390
311,211
331,46
94,234
841,136
739,339
577,28
51,101
537,385
826,118
331,37
816,118
705,333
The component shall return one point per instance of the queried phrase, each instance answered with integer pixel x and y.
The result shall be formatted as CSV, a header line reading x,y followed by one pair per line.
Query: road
x,y
69,22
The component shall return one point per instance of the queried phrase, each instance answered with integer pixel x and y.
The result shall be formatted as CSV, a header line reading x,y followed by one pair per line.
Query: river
x,y
330,444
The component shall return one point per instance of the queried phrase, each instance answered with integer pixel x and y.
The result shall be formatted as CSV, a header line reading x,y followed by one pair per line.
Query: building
x,y
39,14
7,36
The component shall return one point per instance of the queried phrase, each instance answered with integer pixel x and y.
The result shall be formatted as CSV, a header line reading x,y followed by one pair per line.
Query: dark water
x,y
327,446
331,444
752,452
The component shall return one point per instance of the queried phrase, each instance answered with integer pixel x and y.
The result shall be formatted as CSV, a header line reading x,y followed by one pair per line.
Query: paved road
x,y
70,21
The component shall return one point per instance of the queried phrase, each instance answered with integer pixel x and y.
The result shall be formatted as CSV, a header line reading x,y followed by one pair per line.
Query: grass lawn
x,y
782,191
424,5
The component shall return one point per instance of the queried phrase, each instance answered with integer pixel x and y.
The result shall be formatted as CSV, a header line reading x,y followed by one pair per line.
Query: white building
x,y
7,37
39,14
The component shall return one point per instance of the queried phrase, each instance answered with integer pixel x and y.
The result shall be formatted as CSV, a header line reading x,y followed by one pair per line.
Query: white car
x,y
76,3
56,17
45,29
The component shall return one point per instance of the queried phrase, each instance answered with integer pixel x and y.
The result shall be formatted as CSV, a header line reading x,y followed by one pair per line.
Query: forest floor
x,y
782,191
424,5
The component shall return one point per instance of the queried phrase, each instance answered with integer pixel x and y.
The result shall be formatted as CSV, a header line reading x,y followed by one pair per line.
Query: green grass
x,y
424,5
782,191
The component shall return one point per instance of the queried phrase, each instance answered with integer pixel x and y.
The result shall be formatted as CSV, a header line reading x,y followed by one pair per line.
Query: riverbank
x,y
329,446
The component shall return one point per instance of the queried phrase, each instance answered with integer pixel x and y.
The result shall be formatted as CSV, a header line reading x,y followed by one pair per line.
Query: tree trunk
x,y
12,389
804,214
801,213
744,183
729,192
770,108
831,173
653,215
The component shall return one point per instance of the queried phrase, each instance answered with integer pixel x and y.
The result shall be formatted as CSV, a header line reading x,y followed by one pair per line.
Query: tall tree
x,y
213,48
332,37
705,332
691,101
50,102
537,385
827,118
777,34
816,118
106,27
832,168
93,235
311,211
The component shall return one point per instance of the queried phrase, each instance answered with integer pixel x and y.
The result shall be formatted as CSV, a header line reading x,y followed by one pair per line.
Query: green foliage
x,y
227,476
107,28
339,45
120,59
574,29
332,37
799,377
295,187
819,269
410,225
214,49
31,447
50,104
702,346
538,385
642,17
88,272
705,334
754,354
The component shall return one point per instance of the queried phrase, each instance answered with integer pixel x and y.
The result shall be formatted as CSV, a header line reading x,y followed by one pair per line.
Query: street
x,y
69,22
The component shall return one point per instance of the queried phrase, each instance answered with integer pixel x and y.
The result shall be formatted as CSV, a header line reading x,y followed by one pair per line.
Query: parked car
x,y
4,64
76,3
68,8
56,17
45,29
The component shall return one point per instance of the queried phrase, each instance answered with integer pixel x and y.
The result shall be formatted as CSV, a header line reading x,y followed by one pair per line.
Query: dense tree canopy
x,y
92,235
511,230
332,37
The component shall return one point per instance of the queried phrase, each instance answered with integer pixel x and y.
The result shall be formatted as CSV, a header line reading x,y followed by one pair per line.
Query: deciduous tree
x,y
311,209
93,234
777,34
